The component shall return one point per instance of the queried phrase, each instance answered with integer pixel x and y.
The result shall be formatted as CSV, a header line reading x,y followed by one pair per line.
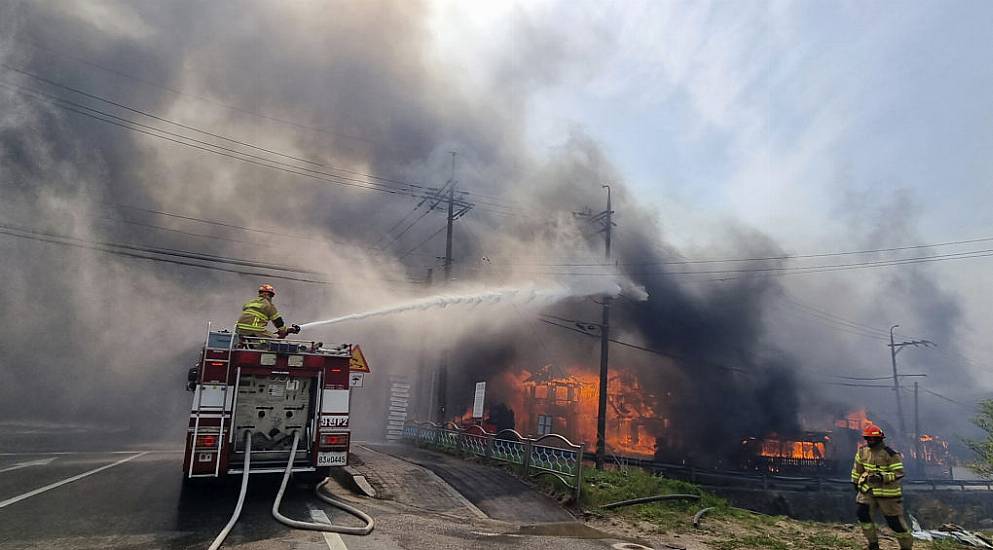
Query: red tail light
x,y
206,441
334,440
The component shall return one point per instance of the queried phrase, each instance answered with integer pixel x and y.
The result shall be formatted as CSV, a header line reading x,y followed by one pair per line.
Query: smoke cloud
x,y
328,94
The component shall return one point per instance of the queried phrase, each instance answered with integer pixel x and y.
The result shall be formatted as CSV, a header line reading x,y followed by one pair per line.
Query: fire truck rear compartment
x,y
273,407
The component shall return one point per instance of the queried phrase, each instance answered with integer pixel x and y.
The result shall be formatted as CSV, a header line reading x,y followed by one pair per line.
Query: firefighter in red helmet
x,y
258,312
876,476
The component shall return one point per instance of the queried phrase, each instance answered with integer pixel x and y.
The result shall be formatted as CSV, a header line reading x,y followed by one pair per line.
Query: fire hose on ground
x,y
219,540
365,530
317,491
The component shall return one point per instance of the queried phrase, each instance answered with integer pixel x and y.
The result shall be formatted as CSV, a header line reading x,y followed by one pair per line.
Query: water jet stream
x,y
523,295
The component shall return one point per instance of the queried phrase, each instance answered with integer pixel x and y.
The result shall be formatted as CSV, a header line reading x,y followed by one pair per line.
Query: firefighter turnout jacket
x,y
256,314
877,472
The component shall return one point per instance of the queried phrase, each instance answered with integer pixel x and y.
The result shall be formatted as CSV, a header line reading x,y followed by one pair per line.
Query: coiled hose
x,y
241,496
370,524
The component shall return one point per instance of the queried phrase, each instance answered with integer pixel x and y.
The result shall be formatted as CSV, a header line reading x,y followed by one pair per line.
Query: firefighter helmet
x,y
266,287
872,430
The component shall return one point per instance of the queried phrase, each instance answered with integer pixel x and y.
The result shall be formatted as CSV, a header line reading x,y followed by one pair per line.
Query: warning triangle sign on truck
x,y
358,363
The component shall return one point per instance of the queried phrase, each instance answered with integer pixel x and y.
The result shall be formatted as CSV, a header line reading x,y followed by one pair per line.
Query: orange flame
x,y
565,400
856,420
773,447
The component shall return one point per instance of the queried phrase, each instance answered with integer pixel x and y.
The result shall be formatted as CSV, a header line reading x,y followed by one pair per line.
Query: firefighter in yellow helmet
x,y
876,475
258,312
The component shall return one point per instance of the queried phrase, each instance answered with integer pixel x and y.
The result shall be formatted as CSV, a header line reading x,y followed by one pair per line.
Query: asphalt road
x,y
131,498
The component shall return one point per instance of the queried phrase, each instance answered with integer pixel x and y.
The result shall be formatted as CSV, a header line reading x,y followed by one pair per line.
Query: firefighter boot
x,y
869,530
906,540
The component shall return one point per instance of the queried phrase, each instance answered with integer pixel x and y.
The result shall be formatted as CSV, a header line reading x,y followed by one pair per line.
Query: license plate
x,y
332,459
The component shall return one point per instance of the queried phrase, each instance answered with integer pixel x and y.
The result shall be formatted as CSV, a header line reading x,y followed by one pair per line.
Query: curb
x,y
354,481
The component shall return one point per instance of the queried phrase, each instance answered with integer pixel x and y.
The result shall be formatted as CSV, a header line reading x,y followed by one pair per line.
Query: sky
x,y
727,130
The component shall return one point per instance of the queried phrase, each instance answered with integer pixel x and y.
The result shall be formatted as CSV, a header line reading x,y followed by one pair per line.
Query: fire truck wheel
x,y
201,486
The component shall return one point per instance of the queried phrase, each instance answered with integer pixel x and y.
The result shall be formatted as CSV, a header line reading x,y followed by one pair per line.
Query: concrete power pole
x,y
894,349
896,385
917,435
443,368
605,218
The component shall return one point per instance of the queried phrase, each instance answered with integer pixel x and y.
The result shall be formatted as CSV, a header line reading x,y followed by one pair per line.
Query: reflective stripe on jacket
x,y
885,462
256,314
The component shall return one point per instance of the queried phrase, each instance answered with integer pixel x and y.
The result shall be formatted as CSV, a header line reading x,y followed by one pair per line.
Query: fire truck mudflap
x,y
272,389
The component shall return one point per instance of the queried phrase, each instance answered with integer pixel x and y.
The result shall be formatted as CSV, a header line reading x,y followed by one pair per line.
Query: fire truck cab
x,y
272,389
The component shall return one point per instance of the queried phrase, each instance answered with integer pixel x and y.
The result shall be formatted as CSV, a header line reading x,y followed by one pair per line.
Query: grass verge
x,y
723,528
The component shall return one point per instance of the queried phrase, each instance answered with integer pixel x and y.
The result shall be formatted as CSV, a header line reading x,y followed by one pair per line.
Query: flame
x,y
933,450
773,446
565,400
856,420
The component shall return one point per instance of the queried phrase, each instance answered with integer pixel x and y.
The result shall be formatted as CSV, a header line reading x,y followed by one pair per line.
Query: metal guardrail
x,y
765,481
550,454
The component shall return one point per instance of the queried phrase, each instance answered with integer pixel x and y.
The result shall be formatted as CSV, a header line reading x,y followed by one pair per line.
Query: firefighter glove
x,y
282,332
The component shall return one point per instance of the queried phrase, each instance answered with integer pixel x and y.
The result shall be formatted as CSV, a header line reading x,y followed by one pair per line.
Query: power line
x,y
493,205
152,115
181,232
200,130
761,258
635,346
437,201
779,271
166,251
854,385
143,252
164,260
949,399
872,379
228,226
834,325
422,243
831,316
175,91
208,146
215,222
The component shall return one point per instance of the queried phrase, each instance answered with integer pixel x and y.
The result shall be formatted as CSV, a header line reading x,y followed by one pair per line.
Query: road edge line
x,y
333,540
66,481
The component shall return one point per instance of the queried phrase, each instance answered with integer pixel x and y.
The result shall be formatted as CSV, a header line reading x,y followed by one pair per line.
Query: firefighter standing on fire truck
x,y
876,475
256,314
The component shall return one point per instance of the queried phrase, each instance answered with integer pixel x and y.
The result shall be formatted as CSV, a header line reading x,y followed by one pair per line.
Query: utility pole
x,y
601,417
451,229
917,435
896,385
605,218
895,349
443,368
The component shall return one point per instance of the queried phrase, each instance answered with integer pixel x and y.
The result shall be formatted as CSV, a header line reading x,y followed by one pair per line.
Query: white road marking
x,y
19,465
40,490
60,453
333,540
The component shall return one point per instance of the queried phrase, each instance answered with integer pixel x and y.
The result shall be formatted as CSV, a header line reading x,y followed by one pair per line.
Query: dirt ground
x,y
745,533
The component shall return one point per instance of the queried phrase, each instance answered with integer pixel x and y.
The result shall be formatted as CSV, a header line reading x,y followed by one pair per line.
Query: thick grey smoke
x,y
353,86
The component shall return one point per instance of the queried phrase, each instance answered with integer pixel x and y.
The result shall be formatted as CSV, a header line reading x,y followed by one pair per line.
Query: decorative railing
x,y
549,455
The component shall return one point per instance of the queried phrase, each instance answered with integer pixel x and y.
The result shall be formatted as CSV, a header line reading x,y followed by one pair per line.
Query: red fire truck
x,y
274,390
